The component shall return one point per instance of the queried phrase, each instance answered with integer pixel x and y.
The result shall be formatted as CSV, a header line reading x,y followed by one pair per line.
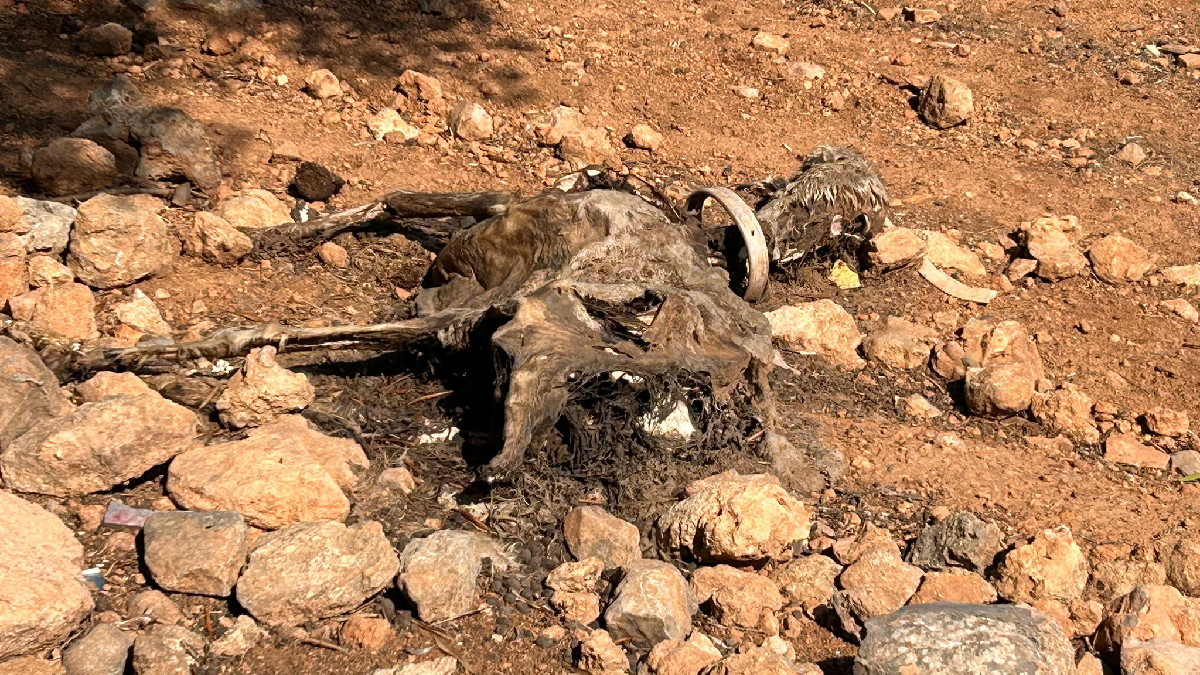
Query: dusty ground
x,y
1036,75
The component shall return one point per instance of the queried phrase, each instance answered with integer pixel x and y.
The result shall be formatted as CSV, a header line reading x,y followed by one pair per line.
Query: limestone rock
x,y
155,604
583,608
680,657
1067,410
808,581
878,583
262,391
563,120
333,254
1127,449
946,254
98,446
47,271
1167,422
1113,578
733,518
470,122
587,146
1160,657
29,392
820,327
769,42
576,577
438,573
901,344
896,248
120,239
738,598
174,146
12,217
954,585
13,274
959,540
141,314
759,661
1052,567
1182,563
167,650
212,238
1184,275
63,312
1000,389
848,550
1116,259
1145,613
191,552
952,639
43,595
592,532
323,84
388,121
1056,254
49,225
599,655
424,87
946,102
311,571
1181,308
103,651
990,342
241,638
253,210
644,137
72,165
107,384
918,407
366,632
280,474
652,603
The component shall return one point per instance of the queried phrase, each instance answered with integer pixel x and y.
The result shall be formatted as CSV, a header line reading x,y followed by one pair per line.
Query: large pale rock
x,y
878,583
1057,256
29,392
991,342
154,604
31,665
821,327
42,594
103,651
683,657
1184,275
1000,389
323,84
1160,657
733,518
167,650
652,603
576,577
1167,422
848,550
760,661
14,277
954,585
1115,259
563,120
141,314
592,532
12,217
98,446
1067,410
419,85
959,540
62,312
954,639
212,238
253,210
262,391
587,146
120,239
45,271
438,573
1146,613
946,254
600,655
808,581
470,122
174,146
900,344
1127,449
1051,567
896,248
49,225
191,552
244,636
388,121
738,598
312,571
72,165
106,384
1182,563
1113,578
281,474
945,102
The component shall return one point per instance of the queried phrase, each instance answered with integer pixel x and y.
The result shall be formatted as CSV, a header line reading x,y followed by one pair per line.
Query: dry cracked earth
x,y
1011,482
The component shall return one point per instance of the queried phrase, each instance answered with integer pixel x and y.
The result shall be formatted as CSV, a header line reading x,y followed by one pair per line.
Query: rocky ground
x,y
1001,398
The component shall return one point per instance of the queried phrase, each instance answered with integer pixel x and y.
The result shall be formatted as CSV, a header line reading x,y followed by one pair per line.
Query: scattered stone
x,y
1190,61
73,165
333,254
808,581
387,122
322,84
738,599
1182,308
241,638
946,254
946,102
959,540
192,552
1159,657
999,390
599,655
574,586
769,42
438,573
987,343
371,633
65,312
1186,462
820,327
107,384
1021,268
1116,259
954,585
1051,567
900,344
848,550
746,92
1127,449
98,446
586,147
47,225
1182,563
878,583
1056,254
1132,154
120,239
47,271
12,217
424,87
680,657
805,70
644,137
1167,422
951,639
921,14
1184,275
167,650
1089,665
212,238
262,391
733,518
760,661
43,595
919,407
1067,410
103,651
280,474
399,477
253,210
592,532
896,248
155,605
315,183
110,39
174,145
445,665
1146,613
562,122
470,122
141,314
652,603
312,571
13,274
